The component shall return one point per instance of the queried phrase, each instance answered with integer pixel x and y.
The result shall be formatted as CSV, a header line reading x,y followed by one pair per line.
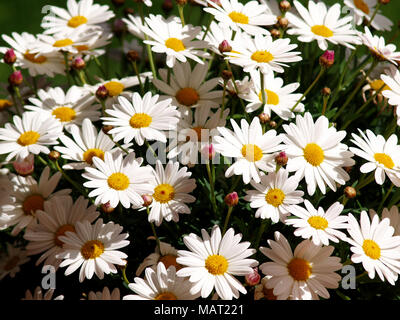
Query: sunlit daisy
x,y
253,150
12,260
213,261
316,153
392,214
38,295
392,90
304,274
274,196
262,292
322,24
93,249
105,294
374,245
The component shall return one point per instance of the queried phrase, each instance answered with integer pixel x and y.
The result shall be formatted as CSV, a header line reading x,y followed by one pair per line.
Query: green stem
x,y
82,77
262,89
152,150
18,93
236,88
223,99
212,190
72,182
181,14
235,183
374,13
326,98
154,230
208,26
135,67
227,219
97,61
42,160
67,67
365,182
385,197
264,224
124,275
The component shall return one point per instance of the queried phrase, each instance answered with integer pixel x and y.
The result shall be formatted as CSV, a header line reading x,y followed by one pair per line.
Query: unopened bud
x,y
24,167
283,22
54,155
272,124
10,57
119,27
231,199
106,207
147,200
106,129
208,152
102,93
327,59
226,75
133,56
253,278
275,33
350,192
16,78
281,159
78,64
181,2
264,118
118,3
167,6
383,1
284,6
326,91
128,11
224,47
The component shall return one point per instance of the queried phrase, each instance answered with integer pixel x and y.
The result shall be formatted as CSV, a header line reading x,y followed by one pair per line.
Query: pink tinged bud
x,y
327,59
106,207
25,166
253,278
147,200
78,64
102,93
119,27
208,152
281,159
232,199
10,57
16,78
224,47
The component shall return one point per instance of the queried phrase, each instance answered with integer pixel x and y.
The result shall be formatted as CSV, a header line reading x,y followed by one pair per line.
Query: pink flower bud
x,y
147,200
24,167
10,57
208,152
232,199
16,78
78,63
102,93
253,278
281,159
327,59
224,47
106,207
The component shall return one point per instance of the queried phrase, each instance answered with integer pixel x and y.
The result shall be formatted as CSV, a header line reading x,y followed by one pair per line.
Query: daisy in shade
x,y
188,88
93,249
374,245
94,48
213,261
37,63
85,144
378,48
29,196
382,155
105,294
253,150
31,134
38,295
54,221
141,119
392,214
195,133
118,180
315,152
317,224
11,262
364,9
278,98
392,90
304,274
83,13
161,284
323,25
274,196
69,108
249,17
264,54
176,41
166,254
170,191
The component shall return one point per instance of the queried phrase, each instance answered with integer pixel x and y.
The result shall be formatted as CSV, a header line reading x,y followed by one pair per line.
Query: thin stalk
x,y
385,197
152,150
236,88
148,48
208,26
72,182
326,98
82,77
262,89
154,230
374,14
97,61
227,219
212,188
223,99
67,67
264,224
181,14
124,275
135,67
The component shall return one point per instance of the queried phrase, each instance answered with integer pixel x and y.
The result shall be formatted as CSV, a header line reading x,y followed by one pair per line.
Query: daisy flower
x,y
82,13
315,152
10,262
262,292
248,17
253,150
317,224
175,40
31,134
264,54
278,98
38,295
170,191
69,108
141,119
392,90
29,196
94,47
213,261
134,25
105,294
37,63
188,88
93,249
322,24
275,195
374,245
85,144
54,221
382,155
364,9
118,180
304,274
392,214
161,284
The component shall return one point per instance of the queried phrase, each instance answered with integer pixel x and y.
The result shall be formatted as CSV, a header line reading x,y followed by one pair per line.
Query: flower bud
x,y
167,6
275,33
147,200
273,124
128,11
54,155
78,64
284,6
283,22
181,2
10,57
106,207
350,192
253,278
118,3
231,199
281,159
16,78
102,93
119,27
383,1
107,128
327,59
133,56
326,91
226,75
208,152
25,167
224,47
264,118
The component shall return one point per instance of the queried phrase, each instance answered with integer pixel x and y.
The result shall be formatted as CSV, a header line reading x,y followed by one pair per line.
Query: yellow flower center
x,y
175,44
275,197
321,30
377,84
90,153
216,264
118,181
164,193
28,138
31,57
63,43
371,249
4,103
170,260
92,249
252,152
11,264
384,159
187,96
114,88
81,48
361,5
238,17
64,114
140,120
33,203
314,154
299,269
166,296
272,97
61,232
262,56
318,222
76,21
